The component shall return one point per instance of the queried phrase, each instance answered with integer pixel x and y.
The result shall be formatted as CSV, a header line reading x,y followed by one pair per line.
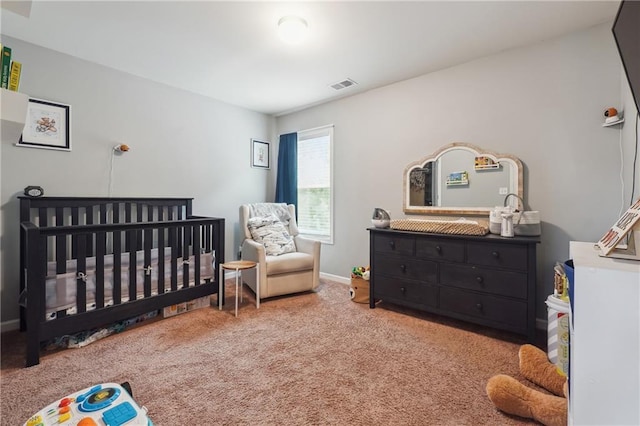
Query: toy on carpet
x,y
109,404
511,396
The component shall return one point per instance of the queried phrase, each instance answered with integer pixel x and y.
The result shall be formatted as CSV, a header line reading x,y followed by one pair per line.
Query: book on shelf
x,y
6,64
14,76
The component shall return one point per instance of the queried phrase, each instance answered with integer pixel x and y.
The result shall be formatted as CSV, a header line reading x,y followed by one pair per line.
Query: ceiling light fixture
x,y
292,29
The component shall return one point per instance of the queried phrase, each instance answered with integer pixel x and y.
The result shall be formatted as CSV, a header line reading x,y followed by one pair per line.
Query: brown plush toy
x,y
511,396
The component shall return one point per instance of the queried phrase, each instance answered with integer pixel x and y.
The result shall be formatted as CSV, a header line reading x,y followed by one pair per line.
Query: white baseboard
x,y
10,325
336,278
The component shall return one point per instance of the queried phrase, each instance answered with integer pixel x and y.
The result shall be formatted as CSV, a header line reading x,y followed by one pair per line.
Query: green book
x,y
6,66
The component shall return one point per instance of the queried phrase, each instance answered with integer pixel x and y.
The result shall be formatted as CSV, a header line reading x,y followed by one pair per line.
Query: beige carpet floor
x,y
310,359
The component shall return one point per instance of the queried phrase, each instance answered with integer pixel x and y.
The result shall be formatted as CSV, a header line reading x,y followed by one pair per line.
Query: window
x,y
315,183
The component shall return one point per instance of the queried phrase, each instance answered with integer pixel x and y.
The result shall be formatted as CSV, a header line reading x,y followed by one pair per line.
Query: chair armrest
x,y
311,247
252,250
308,246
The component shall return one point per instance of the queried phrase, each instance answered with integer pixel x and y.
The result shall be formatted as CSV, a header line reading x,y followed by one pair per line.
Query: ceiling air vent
x,y
343,84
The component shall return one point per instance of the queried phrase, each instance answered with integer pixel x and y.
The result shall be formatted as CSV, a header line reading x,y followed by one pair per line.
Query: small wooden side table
x,y
239,266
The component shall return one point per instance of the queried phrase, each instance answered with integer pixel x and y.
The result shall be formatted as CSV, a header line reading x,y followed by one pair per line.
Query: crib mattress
x,y
61,289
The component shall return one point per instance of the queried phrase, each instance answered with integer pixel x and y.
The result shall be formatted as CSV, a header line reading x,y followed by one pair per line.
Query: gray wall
x,y
182,145
542,103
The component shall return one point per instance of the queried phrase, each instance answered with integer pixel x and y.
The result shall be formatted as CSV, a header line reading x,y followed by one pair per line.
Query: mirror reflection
x,y
461,179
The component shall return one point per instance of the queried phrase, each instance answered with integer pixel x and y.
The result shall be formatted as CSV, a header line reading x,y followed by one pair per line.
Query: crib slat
x,y
61,244
80,242
133,239
117,267
173,235
127,219
89,221
148,239
186,230
74,222
42,217
74,215
101,246
116,212
196,254
161,260
207,237
103,213
139,216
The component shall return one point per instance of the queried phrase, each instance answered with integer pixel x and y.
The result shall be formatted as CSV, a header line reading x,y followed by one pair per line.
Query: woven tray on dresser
x,y
459,227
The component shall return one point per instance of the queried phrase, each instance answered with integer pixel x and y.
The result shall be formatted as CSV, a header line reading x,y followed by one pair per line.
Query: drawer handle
x,y
403,268
479,306
480,280
495,254
403,290
438,249
392,244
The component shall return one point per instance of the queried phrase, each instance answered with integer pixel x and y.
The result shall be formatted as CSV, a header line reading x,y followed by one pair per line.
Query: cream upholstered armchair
x,y
287,265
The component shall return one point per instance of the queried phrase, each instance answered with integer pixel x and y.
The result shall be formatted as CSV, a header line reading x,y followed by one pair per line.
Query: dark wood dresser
x,y
487,280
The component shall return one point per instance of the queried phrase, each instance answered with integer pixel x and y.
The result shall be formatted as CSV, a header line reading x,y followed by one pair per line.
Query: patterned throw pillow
x,y
272,234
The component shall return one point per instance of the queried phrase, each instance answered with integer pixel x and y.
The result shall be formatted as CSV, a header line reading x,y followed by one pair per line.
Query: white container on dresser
x,y
486,280
604,366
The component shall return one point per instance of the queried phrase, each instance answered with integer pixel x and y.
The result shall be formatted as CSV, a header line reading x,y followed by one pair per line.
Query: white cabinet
x,y
605,339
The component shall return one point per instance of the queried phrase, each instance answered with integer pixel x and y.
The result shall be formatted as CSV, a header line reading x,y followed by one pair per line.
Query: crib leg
x,y
33,348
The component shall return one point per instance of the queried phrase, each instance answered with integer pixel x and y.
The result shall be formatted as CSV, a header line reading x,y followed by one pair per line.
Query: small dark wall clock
x,y
33,191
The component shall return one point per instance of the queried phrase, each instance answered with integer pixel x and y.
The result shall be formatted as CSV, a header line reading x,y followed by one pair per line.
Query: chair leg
x,y
257,286
220,287
237,292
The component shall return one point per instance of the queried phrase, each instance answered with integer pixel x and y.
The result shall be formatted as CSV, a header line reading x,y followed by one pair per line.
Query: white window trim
x,y
309,134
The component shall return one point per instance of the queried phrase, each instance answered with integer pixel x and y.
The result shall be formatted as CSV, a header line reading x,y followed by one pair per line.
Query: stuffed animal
x,y
511,396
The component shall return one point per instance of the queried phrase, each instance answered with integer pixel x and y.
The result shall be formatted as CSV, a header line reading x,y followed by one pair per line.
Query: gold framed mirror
x,y
461,178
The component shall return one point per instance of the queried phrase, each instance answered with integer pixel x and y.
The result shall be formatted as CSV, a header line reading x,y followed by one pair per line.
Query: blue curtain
x,y
287,179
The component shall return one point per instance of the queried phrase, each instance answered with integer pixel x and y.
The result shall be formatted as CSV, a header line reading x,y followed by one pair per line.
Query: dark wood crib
x,y
88,262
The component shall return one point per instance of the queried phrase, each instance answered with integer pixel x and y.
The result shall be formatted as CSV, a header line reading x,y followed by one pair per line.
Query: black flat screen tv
x,y
626,31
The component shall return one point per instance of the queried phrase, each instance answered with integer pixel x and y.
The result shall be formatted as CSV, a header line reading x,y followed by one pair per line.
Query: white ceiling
x,y
230,51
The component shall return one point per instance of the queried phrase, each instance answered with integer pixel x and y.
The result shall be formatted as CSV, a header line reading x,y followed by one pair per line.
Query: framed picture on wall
x,y
260,154
48,126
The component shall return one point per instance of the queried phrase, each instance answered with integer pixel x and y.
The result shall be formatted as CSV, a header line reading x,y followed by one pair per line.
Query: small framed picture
x,y
48,126
260,154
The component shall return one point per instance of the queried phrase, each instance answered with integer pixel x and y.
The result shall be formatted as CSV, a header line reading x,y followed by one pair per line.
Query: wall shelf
x,y
14,114
493,166
457,182
613,123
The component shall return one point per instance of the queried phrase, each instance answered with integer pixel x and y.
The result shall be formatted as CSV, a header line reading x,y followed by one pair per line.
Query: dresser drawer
x,y
406,268
441,250
510,256
505,283
398,291
508,312
398,244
